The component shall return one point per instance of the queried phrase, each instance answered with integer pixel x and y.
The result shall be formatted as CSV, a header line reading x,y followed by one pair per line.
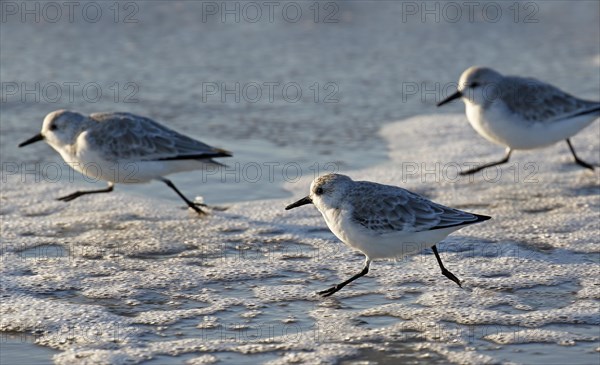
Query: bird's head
x,y
326,192
478,85
60,128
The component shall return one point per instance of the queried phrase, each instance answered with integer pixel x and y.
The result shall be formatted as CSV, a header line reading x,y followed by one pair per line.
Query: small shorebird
x,y
123,148
383,221
521,113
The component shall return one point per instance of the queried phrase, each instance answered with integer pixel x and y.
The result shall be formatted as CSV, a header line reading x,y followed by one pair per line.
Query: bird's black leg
x,y
339,286
77,194
189,203
579,161
445,272
479,168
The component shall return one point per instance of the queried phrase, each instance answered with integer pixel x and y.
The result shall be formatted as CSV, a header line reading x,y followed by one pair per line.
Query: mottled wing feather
x,y
386,209
124,136
537,101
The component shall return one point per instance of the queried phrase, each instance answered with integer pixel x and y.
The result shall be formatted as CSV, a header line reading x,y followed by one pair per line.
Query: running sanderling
x,y
383,221
123,148
521,113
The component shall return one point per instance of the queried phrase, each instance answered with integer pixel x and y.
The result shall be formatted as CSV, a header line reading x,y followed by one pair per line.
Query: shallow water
x,y
380,63
20,348
132,277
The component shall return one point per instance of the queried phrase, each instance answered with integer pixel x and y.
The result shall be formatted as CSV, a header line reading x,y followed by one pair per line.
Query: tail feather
x,y
481,218
593,110
199,156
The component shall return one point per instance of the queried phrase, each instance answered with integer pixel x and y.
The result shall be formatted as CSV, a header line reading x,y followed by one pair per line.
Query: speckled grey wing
x,y
537,101
125,136
386,209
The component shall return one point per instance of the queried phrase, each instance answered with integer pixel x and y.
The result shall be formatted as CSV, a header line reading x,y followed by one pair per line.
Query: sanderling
x,y
383,221
123,148
521,113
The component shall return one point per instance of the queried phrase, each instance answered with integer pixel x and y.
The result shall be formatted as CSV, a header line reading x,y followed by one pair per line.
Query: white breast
x,y
377,246
498,125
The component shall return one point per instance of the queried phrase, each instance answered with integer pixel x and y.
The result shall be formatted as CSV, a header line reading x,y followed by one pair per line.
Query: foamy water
x,y
112,279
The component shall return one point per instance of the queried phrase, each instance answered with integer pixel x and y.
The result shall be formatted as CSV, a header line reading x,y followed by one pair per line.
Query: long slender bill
x,y
303,201
38,137
456,95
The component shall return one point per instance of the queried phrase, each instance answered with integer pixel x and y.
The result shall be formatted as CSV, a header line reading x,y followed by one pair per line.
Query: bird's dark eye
x,y
319,191
52,127
474,84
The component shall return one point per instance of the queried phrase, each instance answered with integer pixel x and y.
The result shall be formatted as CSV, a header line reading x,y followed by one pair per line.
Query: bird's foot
x,y
68,198
195,208
199,202
330,291
472,171
585,164
212,207
451,276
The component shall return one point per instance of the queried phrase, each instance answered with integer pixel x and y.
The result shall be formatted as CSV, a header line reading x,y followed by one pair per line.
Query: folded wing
x,y
537,101
394,209
125,136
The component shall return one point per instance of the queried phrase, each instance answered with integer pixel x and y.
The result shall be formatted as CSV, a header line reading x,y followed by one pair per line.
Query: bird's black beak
x,y
38,137
456,95
303,201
